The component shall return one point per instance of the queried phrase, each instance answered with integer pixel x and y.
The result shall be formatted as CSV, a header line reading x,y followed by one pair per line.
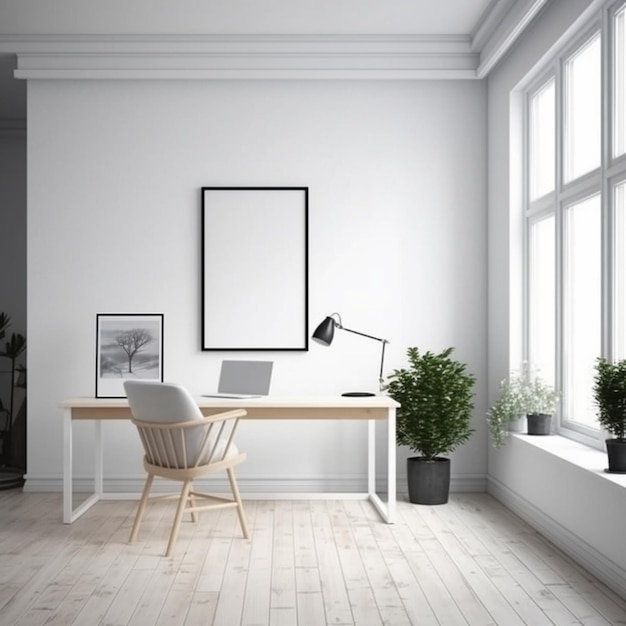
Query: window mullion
x,y
607,135
558,230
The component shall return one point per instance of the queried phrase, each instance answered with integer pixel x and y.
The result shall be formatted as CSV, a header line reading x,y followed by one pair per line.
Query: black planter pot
x,y
429,481
539,423
616,451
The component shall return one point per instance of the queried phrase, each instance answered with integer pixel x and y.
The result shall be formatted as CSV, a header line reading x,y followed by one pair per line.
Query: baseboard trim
x,y
267,486
605,570
251,486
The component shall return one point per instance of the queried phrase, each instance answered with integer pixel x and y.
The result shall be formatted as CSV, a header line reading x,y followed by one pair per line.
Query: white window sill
x,y
577,454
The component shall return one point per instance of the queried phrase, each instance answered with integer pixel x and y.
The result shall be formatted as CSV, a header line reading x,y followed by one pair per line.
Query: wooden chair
x,y
182,444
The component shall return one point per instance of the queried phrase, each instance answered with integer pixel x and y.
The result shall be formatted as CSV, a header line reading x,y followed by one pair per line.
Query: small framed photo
x,y
129,346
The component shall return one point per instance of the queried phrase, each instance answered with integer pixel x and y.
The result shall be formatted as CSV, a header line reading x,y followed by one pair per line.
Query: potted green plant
x,y
13,408
609,392
435,394
540,401
524,393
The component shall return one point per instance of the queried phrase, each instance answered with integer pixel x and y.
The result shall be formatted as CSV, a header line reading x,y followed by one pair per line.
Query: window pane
x,y
541,165
541,297
582,308
619,293
582,110
619,121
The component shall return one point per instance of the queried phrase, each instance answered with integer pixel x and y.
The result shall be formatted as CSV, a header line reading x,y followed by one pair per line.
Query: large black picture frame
x,y
255,268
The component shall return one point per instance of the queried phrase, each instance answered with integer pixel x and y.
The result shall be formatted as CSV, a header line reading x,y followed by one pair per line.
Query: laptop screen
x,y
245,377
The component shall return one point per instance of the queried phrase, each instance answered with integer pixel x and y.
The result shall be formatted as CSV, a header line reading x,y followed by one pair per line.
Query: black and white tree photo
x,y
129,347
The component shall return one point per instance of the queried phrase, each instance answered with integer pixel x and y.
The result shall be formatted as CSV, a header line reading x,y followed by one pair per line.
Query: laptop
x,y
243,379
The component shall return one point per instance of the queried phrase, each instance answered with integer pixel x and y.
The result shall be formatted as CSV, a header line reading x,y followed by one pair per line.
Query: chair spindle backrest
x,y
173,431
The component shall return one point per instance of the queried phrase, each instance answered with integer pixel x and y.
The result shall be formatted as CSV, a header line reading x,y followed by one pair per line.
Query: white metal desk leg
x,y
391,466
371,458
71,514
67,466
99,460
386,510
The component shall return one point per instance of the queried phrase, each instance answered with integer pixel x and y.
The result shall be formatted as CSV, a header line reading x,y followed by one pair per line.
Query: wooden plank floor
x,y
307,563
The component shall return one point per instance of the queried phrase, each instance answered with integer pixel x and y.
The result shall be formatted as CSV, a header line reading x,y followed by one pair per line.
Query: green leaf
x,y
5,321
436,401
14,347
609,393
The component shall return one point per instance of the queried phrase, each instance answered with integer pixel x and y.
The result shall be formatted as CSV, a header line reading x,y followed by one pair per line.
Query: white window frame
x,y
602,180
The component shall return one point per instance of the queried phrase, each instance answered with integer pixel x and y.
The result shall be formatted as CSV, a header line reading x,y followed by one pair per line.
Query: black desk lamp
x,y
324,334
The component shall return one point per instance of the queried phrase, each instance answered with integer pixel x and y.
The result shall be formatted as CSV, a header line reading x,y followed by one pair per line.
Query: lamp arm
x,y
381,380
356,332
338,323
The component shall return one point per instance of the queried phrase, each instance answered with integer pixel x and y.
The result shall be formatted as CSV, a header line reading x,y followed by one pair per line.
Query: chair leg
x,y
240,512
182,501
141,508
191,503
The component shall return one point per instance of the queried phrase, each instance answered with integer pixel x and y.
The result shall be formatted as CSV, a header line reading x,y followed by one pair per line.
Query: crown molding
x,y
241,56
512,19
489,22
343,57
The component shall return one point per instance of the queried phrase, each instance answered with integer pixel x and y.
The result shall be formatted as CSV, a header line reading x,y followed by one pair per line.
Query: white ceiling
x,y
319,17
445,26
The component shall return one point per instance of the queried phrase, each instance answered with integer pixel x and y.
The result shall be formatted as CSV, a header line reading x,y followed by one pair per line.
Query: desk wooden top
x,y
265,407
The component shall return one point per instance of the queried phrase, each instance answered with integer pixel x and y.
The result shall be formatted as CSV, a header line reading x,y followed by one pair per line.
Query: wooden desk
x,y
268,407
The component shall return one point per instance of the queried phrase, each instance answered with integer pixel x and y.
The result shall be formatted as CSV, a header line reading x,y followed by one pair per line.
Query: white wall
x,y
396,172
566,499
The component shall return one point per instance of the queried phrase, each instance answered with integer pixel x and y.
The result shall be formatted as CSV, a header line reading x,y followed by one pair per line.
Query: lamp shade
x,y
325,332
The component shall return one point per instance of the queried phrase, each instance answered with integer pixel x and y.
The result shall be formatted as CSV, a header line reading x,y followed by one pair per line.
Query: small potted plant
x,y
521,394
507,408
609,392
540,402
436,401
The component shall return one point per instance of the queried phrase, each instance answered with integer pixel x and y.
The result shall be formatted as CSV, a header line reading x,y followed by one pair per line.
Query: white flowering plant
x,y
524,393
